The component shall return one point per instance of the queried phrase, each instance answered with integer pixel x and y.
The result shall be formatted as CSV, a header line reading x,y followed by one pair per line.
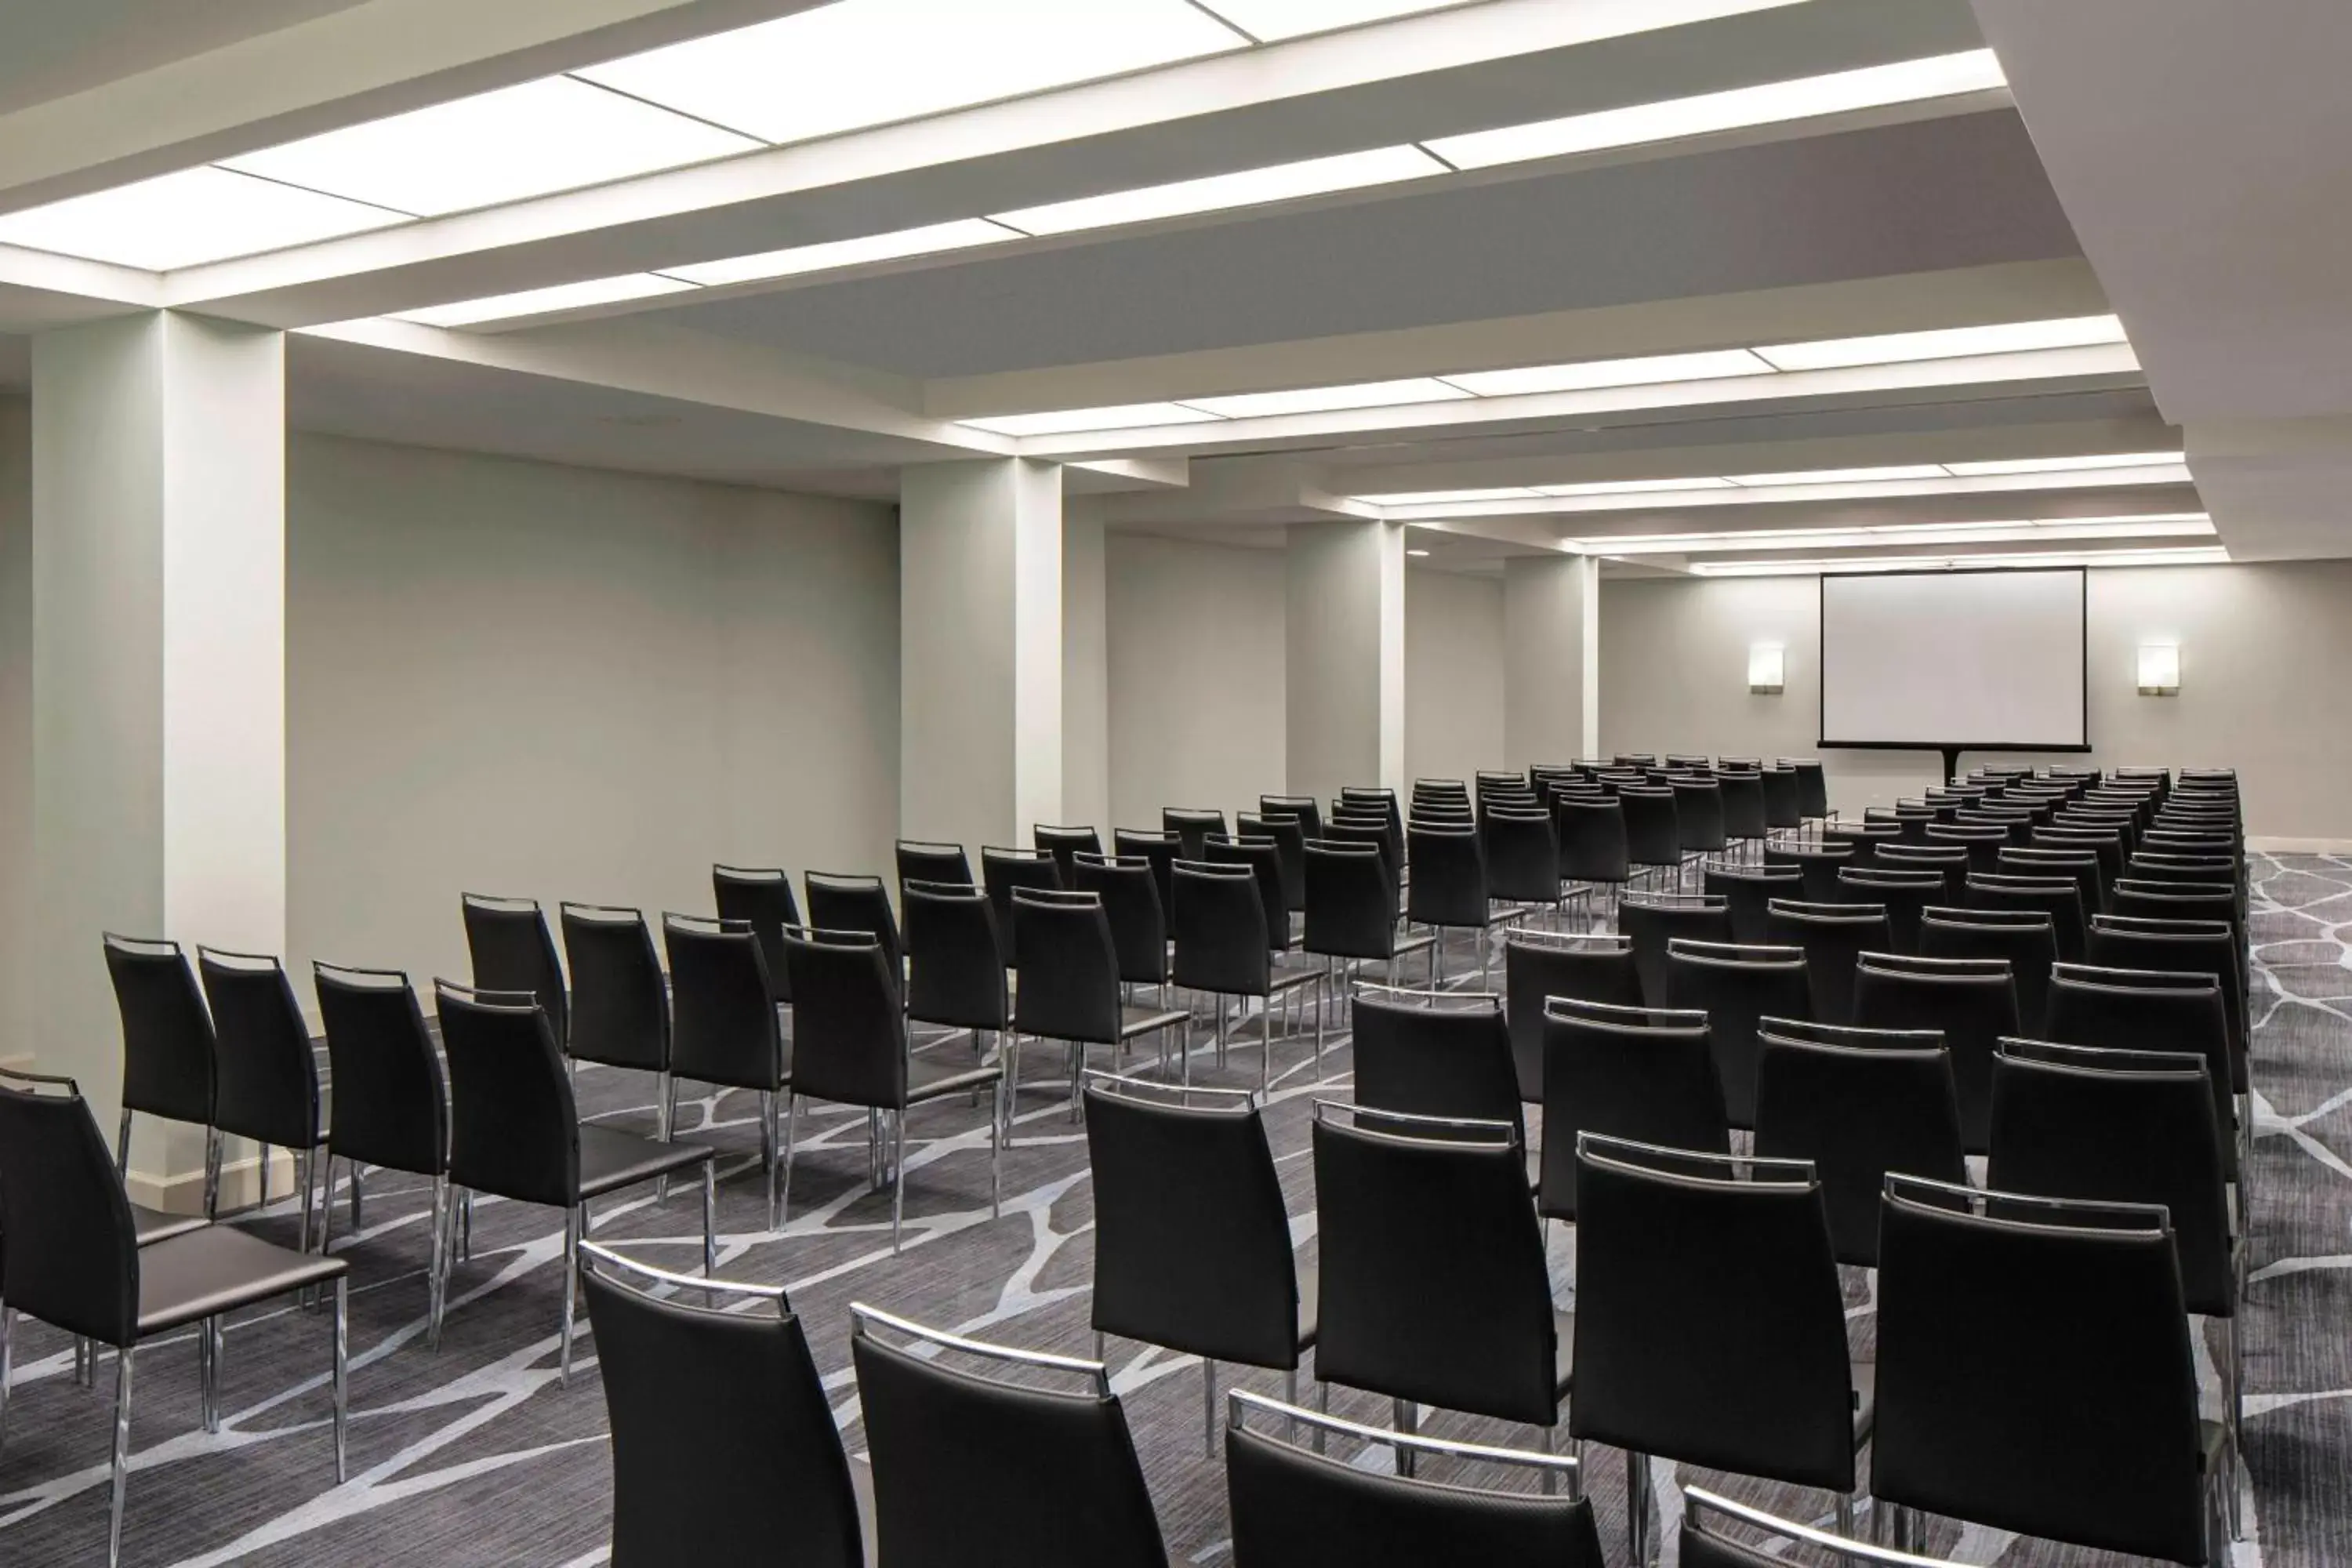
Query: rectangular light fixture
x,y
1250,187
537,137
2212,556
188,220
2015,530
1643,372
1267,20
1064,422
1433,498
1768,669
857,63
1327,399
2159,669
960,234
2068,464
1878,476
1951,342
540,301
1632,487
1872,87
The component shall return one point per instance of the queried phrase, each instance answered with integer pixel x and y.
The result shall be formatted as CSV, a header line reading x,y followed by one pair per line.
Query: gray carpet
x,y
475,1455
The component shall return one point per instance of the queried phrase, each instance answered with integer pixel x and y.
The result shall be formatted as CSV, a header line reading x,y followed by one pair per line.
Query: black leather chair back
x,y
1065,845
1302,806
1536,968
1159,849
512,951
2185,947
1220,929
1753,1380
513,1128
2081,865
1857,1103
1980,1317
1784,797
1351,902
1904,895
1951,861
1192,1240
852,903
1861,840
720,1427
1264,859
955,957
2134,898
168,1064
1069,967
2150,1010
1973,1001
849,1034
1651,921
1130,901
71,1258
1289,837
1447,1055
2059,898
1698,814
1812,786
1733,987
1522,854
1745,890
963,1462
1832,937
2021,937
762,899
942,865
1653,833
2106,845
1645,1074
1192,825
1005,870
1432,1281
1592,844
1743,804
1817,867
1340,829
387,1107
620,1004
1982,840
723,1023
269,1074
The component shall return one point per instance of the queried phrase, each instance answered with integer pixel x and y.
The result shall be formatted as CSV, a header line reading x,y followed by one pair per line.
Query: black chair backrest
x,y
1159,849
1784,804
1289,836
1302,806
514,1129
677,1375
1653,834
1351,901
1522,852
957,1457
1192,826
1191,1239
2186,947
1812,786
1981,1315
853,904
955,957
762,899
1817,867
1641,1073
1698,813
942,865
1264,859
1861,840
1951,861
269,1074
72,1256
1220,931
1754,1380
168,1054
1735,986
1003,870
1440,1055
1130,901
1982,840
1972,1000
1592,846
1069,967
388,1107
1745,889
1449,877
1832,938
2022,937
1652,920
1432,1283
1537,966
508,943
849,1031
1340,830
2060,898
1065,845
1705,1542
1743,802
1904,895
723,1023
2082,865
2152,1010
1857,1103
620,1006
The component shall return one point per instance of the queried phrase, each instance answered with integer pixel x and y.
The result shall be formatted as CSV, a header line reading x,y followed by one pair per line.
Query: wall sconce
x,y
2159,669
1767,668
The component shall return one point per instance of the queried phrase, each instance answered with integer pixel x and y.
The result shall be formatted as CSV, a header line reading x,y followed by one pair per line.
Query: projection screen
x,y
1981,660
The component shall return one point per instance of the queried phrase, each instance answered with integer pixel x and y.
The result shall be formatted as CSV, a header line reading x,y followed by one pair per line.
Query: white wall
x,y
514,678
1196,639
1453,674
2263,649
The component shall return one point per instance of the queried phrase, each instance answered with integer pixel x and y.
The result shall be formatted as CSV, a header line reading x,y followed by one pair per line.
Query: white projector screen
x,y
1976,660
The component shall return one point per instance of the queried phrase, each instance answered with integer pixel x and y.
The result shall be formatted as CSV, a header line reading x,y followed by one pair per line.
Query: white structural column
x,y
979,650
1086,674
159,675
1551,658
1344,657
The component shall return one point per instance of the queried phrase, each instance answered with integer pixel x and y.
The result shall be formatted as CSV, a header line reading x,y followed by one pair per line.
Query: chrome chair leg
x,y
1209,1405
1323,1406
122,1358
1408,1422
122,1145
436,1278
1846,1515
466,1226
1638,1534
574,1222
709,1217
327,1207
666,1085
208,1374
212,1173
264,1175
342,1372
2233,1375
355,1197
770,1152
1078,1075
8,1321
897,1174
996,1155
783,1205
309,1193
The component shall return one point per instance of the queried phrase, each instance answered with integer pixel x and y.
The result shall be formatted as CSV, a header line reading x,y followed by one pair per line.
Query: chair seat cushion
x,y
1564,1356
611,1159
928,1079
1865,1400
1134,1021
1310,1293
152,1226
206,1272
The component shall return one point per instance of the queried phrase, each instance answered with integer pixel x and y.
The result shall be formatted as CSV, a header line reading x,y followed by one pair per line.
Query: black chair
x,y
1540,965
1972,1001
1065,845
725,1029
1432,1286
1351,919
942,865
1522,851
1441,1054
1139,921
1292,1507
1192,826
1784,798
1698,816
1264,858
389,1107
1006,870
2151,1010
1707,1542
1756,1380
1651,921
1070,985
1745,820
1289,837
1192,1246
73,1261
2082,865
1832,937
516,1133
956,957
1448,891
1593,851
1159,849
1223,950
1981,1315
1734,987
1904,895
675,1372
1302,806
1949,860
620,1001
1857,1103
507,944
267,1082
1653,834
2059,898
1745,891
2023,938
761,899
957,1456
1861,840
2185,947
1813,788
2134,898
850,1046
1982,840
1641,1073
1817,867
168,1066
851,903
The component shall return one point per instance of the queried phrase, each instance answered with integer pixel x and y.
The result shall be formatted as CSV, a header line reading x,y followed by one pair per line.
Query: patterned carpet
x,y
476,1455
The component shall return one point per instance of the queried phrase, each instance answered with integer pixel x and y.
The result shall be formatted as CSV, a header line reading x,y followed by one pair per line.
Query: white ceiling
x,y
57,46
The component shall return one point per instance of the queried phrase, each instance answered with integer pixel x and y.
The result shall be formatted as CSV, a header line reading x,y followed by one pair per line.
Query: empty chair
x,y
1745,820
1294,1507
1130,901
1641,1073
1302,806
1653,834
1746,889
1734,987
168,1052
1005,870
1222,948
2024,938
507,944
1289,839
1813,788
2138,900
1652,920
1950,861
1592,844
724,1029
1192,828
1540,965
1784,798
1698,815
2060,897
761,899
1834,937
853,904
1192,1248
1708,1541
675,1372
267,1074
1755,1380
1973,1001
937,1433
1817,867
1264,858
620,1002
1448,890
1983,1314
1982,840
73,1261
956,957
1351,920
850,1047
1159,850
1442,1056
1906,896
2150,1010
1862,840
1070,985
1065,845
942,865
2082,865
2188,947
515,1132
1522,851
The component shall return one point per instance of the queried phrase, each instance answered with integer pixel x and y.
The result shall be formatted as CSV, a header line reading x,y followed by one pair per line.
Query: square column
x,y
1551,658
1344,657
158,677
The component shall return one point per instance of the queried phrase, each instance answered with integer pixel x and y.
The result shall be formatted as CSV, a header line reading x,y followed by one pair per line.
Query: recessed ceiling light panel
x,y
1436,497
540,301
2069,464
1632,486
1329,399
1068,421
1251,187
1267,20
1955,342
960,234
1885,474
188,220
1644,372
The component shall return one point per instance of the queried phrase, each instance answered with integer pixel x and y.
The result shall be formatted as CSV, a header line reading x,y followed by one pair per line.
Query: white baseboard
x,y
2272,845
240,1184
